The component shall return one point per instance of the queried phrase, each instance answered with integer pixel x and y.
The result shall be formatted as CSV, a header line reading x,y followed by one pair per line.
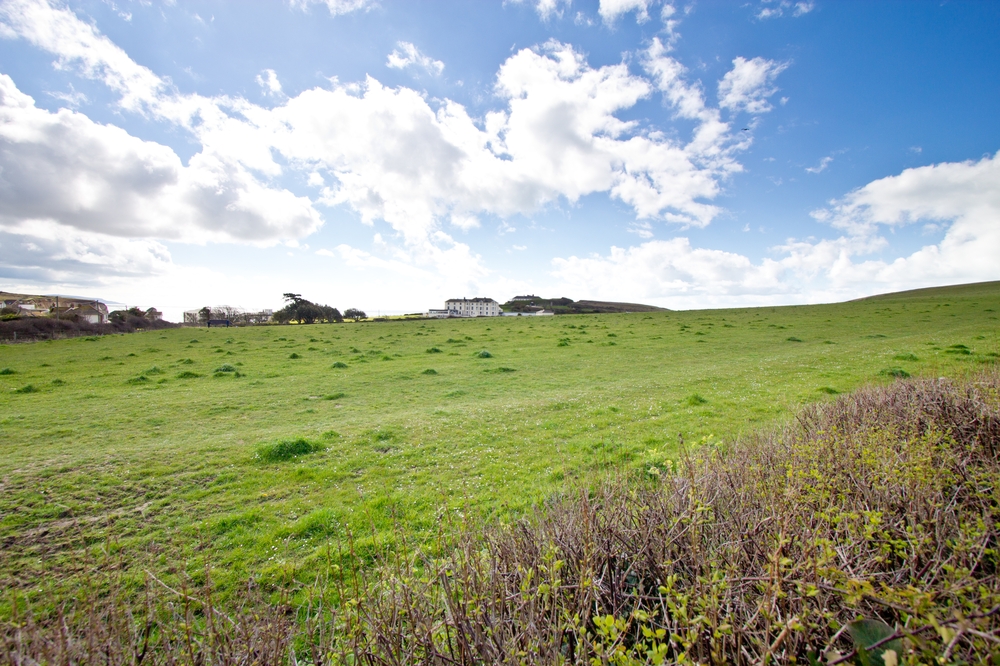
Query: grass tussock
x,y
285,449
870,521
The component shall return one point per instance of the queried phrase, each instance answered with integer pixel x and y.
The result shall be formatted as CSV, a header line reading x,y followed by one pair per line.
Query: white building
x,y
472,307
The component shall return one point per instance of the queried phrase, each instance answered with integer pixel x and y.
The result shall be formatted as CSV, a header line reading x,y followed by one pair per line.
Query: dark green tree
x,y
304,311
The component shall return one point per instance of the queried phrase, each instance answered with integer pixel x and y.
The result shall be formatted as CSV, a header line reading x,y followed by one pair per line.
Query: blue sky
x,y
388,155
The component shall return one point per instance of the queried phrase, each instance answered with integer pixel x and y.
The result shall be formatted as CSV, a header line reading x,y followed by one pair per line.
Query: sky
x,y
389,155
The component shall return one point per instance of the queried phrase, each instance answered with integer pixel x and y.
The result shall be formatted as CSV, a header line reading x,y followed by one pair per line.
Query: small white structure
x,y
530,313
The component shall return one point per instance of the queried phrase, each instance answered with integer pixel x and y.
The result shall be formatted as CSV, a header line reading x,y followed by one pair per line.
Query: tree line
x,y
303,311
297,309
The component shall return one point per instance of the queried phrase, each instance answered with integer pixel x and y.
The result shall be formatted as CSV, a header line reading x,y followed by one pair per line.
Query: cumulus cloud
x,y
269,83
389,154
963,197
548,8
47,252
748,84
64,167
610,10
396,158
407,55
336,7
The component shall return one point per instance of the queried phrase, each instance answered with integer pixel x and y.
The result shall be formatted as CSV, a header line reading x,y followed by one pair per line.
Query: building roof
x,y
471,300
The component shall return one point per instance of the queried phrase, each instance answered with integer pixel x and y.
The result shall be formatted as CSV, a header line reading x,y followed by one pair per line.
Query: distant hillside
x,y
964,290
569,306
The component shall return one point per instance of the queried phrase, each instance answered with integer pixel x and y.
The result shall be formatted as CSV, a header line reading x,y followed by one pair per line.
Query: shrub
x,y
285,449
48,328
694,400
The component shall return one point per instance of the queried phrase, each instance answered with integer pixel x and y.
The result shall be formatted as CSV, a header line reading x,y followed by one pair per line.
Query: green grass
x,y
142,445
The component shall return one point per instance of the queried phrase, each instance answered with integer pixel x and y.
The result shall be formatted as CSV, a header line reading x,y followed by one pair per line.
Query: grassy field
x,y
171,440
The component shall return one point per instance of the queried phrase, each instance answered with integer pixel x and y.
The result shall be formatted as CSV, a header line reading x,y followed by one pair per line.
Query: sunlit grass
x,y
156,439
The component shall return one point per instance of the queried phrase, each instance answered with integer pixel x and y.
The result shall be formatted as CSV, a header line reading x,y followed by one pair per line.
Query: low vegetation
x,y
50,328
565,305
145,447
866,532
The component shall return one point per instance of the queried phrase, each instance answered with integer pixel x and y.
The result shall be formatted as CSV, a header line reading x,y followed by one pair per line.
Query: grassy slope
x,y
170,461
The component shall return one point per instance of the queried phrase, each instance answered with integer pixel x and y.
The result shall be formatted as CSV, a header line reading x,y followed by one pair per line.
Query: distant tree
x,y
355,314
118,316
227,312
136,312
305,311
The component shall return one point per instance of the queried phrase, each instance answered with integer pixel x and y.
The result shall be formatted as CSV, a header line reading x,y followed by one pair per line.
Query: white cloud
x,y
72,99
641,229
80,46
748,85
47,252
97,178
389,154
803,8
406,55
268,81
336,7
778,8
821,167
964,198
548,8
610,10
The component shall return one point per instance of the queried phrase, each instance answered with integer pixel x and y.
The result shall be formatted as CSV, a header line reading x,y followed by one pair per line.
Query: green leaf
x,y
868,632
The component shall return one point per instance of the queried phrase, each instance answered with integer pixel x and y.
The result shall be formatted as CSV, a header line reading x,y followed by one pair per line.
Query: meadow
x,y
267,444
